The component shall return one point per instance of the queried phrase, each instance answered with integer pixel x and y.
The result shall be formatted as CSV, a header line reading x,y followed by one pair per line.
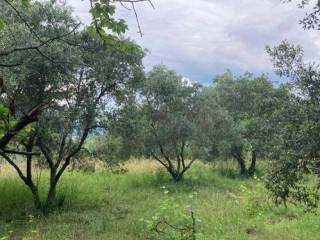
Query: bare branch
x,y
15,152
15,166
137,19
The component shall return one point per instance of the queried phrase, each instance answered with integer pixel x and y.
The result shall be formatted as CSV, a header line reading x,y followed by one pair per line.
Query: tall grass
x,y
103,205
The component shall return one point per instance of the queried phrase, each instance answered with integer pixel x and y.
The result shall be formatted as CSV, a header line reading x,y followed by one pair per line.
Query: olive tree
x,y
173,117
168,110
77,85
24,35
298,129
250,103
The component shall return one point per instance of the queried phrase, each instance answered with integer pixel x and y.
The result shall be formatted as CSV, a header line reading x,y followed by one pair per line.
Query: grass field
x,y
103,205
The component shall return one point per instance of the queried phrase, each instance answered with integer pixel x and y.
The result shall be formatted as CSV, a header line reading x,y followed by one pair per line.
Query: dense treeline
x,y
175,120
75,85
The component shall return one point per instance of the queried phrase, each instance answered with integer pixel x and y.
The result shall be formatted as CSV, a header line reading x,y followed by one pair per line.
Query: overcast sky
x,y
202,38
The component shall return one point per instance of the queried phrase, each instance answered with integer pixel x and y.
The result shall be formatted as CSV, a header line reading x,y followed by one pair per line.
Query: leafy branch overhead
x,y
28,39
70,74
103,11
104,23
311,20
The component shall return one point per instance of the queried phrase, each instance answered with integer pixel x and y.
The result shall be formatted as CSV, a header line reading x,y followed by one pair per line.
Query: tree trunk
x,y
52,196
242,164
174,174
29,181
36,197
52,193
252,167
178,177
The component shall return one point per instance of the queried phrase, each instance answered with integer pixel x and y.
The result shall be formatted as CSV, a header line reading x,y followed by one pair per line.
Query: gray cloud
x,y
205,37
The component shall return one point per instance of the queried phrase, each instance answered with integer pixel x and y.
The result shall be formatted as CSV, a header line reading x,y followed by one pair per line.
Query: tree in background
x,y
215,130
127,124
168,107
250,103
168,120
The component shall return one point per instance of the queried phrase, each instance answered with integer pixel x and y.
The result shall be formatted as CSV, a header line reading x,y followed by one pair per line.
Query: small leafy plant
x,y
173,221
255,199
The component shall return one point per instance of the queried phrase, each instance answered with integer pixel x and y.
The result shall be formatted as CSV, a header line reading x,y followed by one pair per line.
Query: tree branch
x,y
21,153
8,159
22,123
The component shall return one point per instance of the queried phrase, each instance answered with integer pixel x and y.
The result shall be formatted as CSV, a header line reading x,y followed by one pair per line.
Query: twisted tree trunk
x,y
242,163
252,167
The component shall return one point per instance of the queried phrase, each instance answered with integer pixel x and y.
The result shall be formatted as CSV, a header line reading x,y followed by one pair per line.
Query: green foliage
x,y
25,2
296,152
160,120
214,130
311,17
82,162
102,12
172,221
256,204
169,111
108,149
77,74
162,115
103,17
127,125
8,121
169,119
105,148
250,104
1,24
288,182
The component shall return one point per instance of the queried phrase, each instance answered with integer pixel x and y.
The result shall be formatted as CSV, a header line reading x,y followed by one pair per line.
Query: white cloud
x,y
202,38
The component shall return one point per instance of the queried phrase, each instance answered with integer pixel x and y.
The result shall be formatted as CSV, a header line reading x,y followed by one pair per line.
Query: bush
x,y
83,162
288,181
108,149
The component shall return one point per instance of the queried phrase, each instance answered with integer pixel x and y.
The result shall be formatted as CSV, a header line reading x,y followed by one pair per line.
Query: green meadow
x,y
103,205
